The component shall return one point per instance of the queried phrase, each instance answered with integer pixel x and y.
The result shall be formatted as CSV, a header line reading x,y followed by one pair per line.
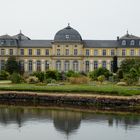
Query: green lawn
x,y
92,89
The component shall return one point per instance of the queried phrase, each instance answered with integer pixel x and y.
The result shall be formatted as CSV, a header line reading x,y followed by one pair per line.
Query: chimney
x,y
118,38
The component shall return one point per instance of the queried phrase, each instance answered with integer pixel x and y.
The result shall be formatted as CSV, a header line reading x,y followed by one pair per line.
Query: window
x,y
58,52
2,64
95,64
112,52
104,64
58,65
38,65
12,42
104,52
11,51
30,52
46,65
3,42
139,53
95,52
67,36
21,64
123,52
124,43
75,52
132,53
87,52
47,52
132,42
87,66
38,52
21,51
111,66
75,66
67,66
30,66
67,51
2,51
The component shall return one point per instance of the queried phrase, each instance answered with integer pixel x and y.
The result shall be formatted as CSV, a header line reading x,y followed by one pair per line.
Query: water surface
x,y
17,123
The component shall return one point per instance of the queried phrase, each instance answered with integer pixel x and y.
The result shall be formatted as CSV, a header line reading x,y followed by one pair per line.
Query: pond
x,y
18,123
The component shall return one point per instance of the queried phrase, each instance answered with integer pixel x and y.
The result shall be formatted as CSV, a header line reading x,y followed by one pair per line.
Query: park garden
x,y
125,81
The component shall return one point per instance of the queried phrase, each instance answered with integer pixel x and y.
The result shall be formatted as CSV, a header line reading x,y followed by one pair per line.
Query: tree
x,y
127,64
12,65
132,77
98,72
115,62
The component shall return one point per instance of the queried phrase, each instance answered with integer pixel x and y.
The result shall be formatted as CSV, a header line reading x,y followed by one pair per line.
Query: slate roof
x,y
21,36
128,36
101,43
67,34
6,37
35,43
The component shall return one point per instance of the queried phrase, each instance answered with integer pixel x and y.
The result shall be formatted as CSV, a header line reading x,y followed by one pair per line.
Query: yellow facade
x,y
68,51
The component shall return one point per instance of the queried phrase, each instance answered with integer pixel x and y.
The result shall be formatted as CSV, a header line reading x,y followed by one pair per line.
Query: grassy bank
x,y
91,89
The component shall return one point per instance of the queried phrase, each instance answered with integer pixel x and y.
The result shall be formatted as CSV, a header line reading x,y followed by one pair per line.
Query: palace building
x,y
67,51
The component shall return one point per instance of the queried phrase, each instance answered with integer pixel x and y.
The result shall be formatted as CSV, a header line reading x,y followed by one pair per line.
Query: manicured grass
x,y
83,89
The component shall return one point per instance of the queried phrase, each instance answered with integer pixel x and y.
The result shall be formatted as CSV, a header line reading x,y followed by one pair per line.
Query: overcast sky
x,y
94,19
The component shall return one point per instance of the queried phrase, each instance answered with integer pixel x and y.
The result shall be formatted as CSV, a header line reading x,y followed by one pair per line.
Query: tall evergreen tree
x,y
12,65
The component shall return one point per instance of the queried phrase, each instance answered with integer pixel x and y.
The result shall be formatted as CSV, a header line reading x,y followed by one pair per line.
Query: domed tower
x,y
68,35
67,49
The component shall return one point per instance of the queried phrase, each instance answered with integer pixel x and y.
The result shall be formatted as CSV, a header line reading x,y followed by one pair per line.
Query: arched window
x,y
38,65
75,66
104,64
21,65
87,66
58,65
124,43
46,65
95,64
132,42
67,66
30,65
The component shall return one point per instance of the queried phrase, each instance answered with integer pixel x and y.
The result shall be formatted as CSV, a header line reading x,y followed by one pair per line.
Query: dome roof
x,y
67,34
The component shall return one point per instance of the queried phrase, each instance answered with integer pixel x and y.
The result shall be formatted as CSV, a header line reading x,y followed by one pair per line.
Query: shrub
x,y
32,80
98,72
120,74
79,80
72,74
101,78
39,75
4,75
132,77
121,84
51,74
16,78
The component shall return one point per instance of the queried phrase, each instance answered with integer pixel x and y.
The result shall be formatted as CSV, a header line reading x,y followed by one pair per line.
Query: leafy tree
x,y
132,77
51,74
120,74
16,78
12,65
127,64
72,74
4,75
39,75
115,62
98,72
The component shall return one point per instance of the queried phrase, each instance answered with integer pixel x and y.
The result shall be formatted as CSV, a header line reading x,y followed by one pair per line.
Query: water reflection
x,y
64,121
